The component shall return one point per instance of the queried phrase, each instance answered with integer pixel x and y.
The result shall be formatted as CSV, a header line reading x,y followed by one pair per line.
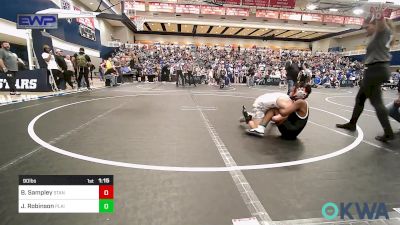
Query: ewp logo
x,y
331,211
37,21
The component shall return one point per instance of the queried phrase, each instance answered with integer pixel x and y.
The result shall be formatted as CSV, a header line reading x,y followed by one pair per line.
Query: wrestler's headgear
x,y
302,91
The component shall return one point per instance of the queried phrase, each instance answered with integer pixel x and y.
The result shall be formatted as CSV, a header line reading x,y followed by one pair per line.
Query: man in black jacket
x,y
292,71
59,57
165,73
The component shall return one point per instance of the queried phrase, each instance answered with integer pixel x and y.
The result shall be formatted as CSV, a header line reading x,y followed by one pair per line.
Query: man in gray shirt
x,y
9,66
377,61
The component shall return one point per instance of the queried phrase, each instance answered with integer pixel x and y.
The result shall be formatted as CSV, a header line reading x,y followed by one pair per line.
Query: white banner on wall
x,y
87,21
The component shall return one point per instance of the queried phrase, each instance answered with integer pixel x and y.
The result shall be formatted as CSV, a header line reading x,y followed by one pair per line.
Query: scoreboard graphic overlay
x,y
66,194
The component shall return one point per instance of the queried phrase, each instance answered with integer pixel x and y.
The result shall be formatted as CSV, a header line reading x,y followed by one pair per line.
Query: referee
x,y
377,62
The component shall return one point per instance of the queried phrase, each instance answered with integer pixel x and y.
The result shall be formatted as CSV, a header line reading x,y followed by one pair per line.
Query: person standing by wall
x,y
63,65
9,66
70,71
52,66
82,65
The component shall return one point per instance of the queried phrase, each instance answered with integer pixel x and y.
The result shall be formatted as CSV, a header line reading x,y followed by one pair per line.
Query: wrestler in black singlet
x,y
293,126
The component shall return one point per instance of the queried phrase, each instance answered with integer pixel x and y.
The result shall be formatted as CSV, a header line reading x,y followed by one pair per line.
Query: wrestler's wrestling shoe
x,y
259,131
243,120
246,116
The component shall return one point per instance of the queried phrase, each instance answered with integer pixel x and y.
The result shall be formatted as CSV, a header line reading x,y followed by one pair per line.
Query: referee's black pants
x,y
58,78
374,76
11,80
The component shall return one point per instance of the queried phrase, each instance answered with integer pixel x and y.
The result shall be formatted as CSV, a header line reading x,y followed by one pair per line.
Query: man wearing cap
x,y
82,64
9,66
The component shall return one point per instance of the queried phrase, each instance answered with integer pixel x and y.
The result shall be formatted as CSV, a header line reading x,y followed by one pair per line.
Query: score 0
x,y
106,198
106,192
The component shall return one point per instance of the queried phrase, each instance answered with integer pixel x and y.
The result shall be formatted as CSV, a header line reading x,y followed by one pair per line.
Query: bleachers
x,y
147,61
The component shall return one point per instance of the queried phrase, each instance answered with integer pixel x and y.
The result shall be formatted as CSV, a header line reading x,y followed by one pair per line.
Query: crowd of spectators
x,y
162,62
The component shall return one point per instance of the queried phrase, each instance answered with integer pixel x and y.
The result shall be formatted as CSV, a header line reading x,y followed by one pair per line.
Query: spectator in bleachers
x,y
264,61
394,108
125,69
108,64
111,72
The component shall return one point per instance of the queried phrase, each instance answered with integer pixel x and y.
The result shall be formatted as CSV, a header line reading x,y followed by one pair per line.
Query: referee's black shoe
x,y
347,126
385,137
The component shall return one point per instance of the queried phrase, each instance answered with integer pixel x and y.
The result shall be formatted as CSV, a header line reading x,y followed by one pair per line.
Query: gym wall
x,y
146,38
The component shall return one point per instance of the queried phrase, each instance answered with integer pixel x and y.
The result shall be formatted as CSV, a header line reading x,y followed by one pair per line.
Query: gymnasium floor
x,y
180,156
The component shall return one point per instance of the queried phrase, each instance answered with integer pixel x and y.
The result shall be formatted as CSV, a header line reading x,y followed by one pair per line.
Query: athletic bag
x,y
81,60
